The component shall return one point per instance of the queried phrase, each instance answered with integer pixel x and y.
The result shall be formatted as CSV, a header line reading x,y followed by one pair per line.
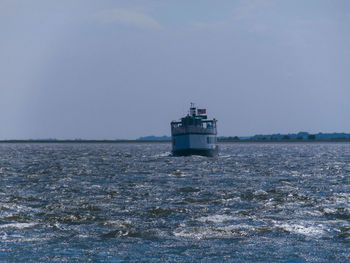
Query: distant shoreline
x,y
169,141
299,137
79,141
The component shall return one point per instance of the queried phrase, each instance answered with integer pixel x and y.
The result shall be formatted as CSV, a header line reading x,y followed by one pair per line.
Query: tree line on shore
x,y
291,137
301,136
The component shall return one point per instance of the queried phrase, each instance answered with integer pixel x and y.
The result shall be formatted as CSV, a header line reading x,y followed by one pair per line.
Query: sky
x,y
124,69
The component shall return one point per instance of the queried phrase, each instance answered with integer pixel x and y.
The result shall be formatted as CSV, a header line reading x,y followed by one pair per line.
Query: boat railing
x,y
192,129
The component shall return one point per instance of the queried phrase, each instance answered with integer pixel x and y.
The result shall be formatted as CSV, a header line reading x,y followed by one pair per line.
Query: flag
x,y
202,111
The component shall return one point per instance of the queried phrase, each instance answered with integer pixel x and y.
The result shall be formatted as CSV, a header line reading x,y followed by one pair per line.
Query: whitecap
x,y
213,232
224,156
301,229
216,218
178,173
165,154
260,192
329,210
18,225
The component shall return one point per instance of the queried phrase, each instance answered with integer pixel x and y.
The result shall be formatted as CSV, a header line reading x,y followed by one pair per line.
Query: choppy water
x,y
133,202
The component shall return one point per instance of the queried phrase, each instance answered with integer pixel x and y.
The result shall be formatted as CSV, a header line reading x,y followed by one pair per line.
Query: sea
x,y
134,202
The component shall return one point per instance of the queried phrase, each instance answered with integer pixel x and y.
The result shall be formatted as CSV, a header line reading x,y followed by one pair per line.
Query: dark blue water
x,y
135,203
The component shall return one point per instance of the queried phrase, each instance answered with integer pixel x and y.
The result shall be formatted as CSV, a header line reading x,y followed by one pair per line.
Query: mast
x,y
192,110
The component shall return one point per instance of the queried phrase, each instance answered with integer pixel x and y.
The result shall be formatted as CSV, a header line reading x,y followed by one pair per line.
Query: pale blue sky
x,y
124,69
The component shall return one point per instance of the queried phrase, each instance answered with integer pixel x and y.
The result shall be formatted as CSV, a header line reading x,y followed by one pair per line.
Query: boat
x,y
194,134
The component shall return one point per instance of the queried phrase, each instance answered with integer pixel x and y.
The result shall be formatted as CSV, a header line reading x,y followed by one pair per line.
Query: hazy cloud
x,y
128,18
241,12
